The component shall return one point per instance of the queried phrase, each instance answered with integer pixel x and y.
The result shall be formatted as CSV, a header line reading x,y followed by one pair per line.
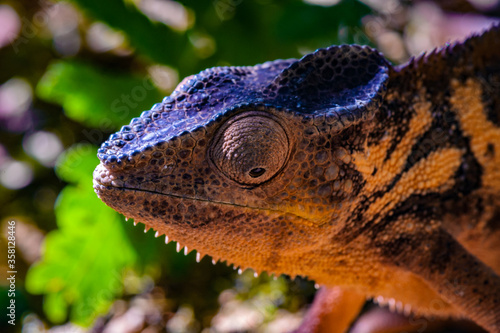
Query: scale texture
x,y
373,180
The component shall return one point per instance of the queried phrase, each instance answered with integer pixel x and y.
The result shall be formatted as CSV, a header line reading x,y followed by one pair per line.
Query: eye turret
x,y
250,149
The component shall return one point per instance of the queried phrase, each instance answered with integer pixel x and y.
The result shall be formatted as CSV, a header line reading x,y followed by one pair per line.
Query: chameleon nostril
x,y
257,172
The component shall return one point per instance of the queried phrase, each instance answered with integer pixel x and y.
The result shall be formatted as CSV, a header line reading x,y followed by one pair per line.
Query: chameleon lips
x,y
114,193
191,223
140,204
152,205
155,209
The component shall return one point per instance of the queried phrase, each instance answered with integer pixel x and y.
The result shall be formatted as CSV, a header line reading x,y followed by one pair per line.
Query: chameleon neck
x,y
431,157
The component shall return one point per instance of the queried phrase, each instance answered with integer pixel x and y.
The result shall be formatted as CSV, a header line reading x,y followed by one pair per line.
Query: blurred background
x,y
73,72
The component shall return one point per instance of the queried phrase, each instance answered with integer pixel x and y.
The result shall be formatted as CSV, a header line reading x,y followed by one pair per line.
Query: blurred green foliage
x,y
73,85
81,265
123,15
90,257
83,261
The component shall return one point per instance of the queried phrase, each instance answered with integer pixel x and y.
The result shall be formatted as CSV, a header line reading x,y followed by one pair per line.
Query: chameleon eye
x,y
250,149
257,172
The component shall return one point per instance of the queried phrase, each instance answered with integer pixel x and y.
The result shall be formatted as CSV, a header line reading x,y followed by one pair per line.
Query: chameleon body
x,y
382,181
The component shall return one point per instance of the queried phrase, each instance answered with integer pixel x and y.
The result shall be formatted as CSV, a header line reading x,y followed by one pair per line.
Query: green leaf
x,y
54,306
155,40
83,260
96,97
301,22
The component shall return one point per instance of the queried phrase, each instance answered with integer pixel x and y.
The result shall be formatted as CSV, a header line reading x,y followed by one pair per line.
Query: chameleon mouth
x,y
124,199
204,225
101,189
105,183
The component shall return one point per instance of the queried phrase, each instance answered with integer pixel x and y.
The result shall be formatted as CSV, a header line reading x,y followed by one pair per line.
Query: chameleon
x,y
374,180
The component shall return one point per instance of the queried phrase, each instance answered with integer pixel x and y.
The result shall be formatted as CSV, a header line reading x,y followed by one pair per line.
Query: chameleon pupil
x,y
257,172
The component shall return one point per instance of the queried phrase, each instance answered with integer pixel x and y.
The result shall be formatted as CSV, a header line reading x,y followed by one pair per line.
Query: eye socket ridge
x,y
250,148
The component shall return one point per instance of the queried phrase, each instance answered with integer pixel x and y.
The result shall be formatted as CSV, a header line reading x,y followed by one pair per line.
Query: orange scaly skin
x,y
381,181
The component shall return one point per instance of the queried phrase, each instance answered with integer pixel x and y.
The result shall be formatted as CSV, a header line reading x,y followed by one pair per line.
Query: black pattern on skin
x,y
394,119
338,204
493,223
445,132
422,207
491,76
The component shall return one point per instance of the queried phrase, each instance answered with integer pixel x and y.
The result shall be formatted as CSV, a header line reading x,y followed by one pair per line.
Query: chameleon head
x,y
243,162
